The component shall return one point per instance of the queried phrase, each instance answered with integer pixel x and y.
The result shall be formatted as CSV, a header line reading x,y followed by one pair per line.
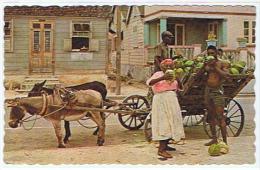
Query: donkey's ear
x,y
42,83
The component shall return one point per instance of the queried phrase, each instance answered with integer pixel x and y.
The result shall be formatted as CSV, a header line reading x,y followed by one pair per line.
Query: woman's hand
x,y
167,77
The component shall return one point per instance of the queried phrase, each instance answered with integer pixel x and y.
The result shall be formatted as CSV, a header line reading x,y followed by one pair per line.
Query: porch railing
x,y
235,55
186,51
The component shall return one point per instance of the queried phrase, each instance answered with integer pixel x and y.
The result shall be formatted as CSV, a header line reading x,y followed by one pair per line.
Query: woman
x,y
166,112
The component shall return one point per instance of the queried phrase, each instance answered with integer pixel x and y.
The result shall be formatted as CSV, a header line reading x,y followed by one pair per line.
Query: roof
x,y
74,11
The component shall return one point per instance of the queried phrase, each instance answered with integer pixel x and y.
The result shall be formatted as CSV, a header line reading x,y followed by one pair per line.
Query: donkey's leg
x,y
67,131
57,127
97,129
97,118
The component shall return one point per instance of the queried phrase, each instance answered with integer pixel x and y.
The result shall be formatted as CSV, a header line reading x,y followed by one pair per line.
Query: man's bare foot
x,y
211,142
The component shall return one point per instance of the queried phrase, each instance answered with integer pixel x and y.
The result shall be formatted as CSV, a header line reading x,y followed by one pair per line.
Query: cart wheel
x,y
192,120
134,121
148,129
235,119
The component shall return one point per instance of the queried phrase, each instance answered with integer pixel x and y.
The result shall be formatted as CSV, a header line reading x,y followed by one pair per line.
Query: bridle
x,y
43,113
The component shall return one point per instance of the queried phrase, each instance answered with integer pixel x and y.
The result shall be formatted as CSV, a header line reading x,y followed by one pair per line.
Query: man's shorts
x,y
215,95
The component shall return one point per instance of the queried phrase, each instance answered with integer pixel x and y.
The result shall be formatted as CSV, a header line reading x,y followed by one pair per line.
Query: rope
x,y
25,120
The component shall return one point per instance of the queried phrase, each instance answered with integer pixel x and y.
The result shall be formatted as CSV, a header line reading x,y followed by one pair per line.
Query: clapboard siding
x,y
133,42
19,58
63,58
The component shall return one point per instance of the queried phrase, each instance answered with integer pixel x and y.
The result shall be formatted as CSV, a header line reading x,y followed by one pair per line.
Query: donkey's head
x,y
16,114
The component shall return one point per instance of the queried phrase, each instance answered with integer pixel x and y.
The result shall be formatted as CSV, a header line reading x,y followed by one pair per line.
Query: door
x,y
41,47
179,34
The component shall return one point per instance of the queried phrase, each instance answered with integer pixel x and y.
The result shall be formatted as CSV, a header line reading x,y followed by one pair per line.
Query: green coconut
x,y
179,72
200,59
223,147
199,65
233,71
214,150
170,72
242,63
189,63
210,57
178,64
187,69
239,67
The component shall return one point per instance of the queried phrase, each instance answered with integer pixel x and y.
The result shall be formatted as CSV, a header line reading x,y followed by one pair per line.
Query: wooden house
x,y
190,26
54,40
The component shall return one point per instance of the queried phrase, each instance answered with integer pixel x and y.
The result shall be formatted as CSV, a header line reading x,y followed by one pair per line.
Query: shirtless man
x,y
217,71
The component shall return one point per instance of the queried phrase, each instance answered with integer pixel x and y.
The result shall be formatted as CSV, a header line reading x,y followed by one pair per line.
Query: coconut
x,y
210,57
223,147
200,59
242,63
239,67
233,71
214,150
189,63
199,65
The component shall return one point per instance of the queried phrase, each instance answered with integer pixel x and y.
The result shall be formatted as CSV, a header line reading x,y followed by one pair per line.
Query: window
x,y
8,35
249,31
80,36
213,27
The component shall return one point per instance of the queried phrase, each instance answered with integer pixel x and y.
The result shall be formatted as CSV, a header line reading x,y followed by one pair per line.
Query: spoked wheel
x,y
87,122
235,119
148,129
192,120
136,120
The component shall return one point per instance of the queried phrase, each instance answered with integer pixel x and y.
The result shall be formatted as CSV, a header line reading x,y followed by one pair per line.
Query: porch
x,y
186,31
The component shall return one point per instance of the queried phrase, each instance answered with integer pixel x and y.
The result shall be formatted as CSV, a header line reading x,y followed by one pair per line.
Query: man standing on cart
x,y
217,71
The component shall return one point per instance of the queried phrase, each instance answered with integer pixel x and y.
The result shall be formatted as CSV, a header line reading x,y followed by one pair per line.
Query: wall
x,y
18,60
235,16
132,55
64,62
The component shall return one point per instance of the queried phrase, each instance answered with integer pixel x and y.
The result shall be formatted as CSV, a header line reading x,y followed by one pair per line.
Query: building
x,y
190,26
54,40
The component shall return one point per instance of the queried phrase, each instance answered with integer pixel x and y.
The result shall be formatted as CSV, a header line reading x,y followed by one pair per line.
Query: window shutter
x,y
67,46
93,45
7,45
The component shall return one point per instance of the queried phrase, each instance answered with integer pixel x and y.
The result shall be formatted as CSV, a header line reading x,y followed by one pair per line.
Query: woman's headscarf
x,y
167,61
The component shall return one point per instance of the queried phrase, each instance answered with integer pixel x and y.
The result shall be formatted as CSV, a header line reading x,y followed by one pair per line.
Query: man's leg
x,y
221,122
212,122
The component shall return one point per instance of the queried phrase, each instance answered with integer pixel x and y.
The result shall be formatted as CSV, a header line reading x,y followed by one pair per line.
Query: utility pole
x,y
118,50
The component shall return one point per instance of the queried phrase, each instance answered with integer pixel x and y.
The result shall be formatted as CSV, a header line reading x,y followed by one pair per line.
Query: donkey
x,y
95,85
50,107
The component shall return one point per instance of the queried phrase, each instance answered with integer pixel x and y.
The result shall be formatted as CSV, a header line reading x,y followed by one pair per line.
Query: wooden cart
x,y
194,111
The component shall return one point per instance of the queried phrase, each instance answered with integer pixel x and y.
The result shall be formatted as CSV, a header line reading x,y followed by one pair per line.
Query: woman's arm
x,y
164,77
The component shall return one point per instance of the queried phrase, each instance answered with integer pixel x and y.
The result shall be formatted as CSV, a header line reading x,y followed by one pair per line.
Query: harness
x,y
43,113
